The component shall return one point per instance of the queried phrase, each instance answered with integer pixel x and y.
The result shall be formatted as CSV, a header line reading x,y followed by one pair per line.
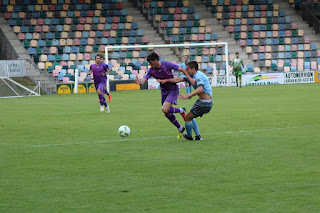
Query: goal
x,y
9,88
216,53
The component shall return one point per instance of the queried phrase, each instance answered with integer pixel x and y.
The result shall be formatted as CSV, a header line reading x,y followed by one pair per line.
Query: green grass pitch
x,y
260,153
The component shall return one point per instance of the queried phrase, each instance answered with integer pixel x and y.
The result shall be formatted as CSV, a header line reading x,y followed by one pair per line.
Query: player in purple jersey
x,y
105,91
169,91
99,76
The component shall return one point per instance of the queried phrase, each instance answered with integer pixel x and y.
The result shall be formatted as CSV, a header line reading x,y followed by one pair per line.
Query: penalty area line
x,y
159,137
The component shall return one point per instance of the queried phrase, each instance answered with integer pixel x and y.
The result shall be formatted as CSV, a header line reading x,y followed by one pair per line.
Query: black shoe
x,y
187,137
198,138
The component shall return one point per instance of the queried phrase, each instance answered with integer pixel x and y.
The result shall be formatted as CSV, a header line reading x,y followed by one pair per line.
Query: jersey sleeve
x,y
199,80
148,75
90,67
106,67
172,66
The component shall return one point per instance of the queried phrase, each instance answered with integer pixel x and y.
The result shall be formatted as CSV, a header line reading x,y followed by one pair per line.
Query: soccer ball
x,y
124,131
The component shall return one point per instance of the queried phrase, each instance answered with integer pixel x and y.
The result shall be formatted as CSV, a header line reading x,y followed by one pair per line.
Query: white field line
x,y
159,137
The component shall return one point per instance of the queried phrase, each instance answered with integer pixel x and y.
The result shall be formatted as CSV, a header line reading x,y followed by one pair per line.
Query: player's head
x,y
98,59
153,60
192,67
237,55
186,59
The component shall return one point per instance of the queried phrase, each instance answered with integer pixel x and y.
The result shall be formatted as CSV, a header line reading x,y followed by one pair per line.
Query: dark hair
x,y
98,56
237,53
152,57
192,64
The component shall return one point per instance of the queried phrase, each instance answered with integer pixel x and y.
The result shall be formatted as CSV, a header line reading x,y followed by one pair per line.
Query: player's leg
x,y
105,91
189,125
236,74
102,99
196,129
167,101
240,80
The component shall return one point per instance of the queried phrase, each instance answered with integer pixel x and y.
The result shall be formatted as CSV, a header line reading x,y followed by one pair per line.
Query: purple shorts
x,y
100,85
170,97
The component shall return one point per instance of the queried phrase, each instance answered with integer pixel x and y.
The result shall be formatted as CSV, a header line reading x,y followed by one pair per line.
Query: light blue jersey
x,y
202,80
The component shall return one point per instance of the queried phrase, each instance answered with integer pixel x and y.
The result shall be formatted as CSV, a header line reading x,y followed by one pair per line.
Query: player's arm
x,y
140,82
172,80
192,81
198,91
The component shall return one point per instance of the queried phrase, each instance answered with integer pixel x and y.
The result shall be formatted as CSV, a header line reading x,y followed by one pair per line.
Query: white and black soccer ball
x,y
124,131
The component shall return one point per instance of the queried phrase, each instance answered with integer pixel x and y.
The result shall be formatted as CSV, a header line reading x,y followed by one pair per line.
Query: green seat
x,y
43,14
58,57
68,75
269,20
119,40
119,33
127,72
26,43
93,6
181,38
82,49
73,67
123,19
58,64
57,35
129,55
48,43
113,73
306,59
188,30
249,35
196,23
19,22
36,58
211,58
169,31
213,9
294,33
75,21
159,10
294,54
226,8
39,50
199,52
269,27
281,41
31,29
179,4
170,17
192,58
62,21
236,36
60,50
95,48
145,64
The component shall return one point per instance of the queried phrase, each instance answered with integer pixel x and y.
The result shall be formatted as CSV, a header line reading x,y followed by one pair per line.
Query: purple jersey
x,y
97,71
164,72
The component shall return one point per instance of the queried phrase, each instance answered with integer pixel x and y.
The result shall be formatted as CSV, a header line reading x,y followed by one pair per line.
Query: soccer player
x,y
105,91
202,106
169,91
99,76
183,65
237,70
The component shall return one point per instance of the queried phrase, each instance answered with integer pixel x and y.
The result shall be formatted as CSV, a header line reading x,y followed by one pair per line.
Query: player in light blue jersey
x,y
183,65
202,106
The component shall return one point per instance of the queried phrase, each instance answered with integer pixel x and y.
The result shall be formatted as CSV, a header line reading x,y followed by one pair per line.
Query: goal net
x,y
212,58
9,87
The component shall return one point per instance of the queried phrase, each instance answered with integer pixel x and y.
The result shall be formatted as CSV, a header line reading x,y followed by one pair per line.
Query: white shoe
x,y
101,108
107,109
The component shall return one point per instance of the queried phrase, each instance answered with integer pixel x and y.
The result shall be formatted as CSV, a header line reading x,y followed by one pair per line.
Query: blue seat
x,y
293,68
294,40
58,7
275,41
12,22
31,8
55,42
307,54
237,21
261,56
41,43
105,6
122,54
209,70
83,41
300,47
249,42
205,58
74,49
29,36
140,32
287,47
31,51
250,21
96,20
85,34
54,21
207,37
282,13
99,34
59,28
280,55
67,49
218,58
143,54
313,46
134,26
287,55
50,57
131,40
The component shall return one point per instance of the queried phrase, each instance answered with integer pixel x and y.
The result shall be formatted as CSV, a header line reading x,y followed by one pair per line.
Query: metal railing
x,y
308,14
47,82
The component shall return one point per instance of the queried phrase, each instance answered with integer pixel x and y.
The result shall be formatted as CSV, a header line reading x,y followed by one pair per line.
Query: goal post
x,y
224,44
